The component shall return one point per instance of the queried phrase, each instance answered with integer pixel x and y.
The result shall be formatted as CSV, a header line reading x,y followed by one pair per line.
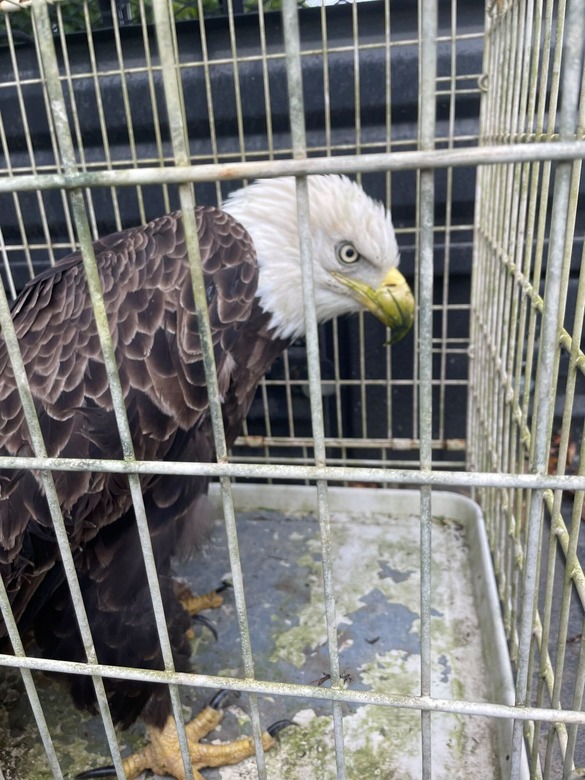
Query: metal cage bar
x,y
297,118
522,381
426,182
527,219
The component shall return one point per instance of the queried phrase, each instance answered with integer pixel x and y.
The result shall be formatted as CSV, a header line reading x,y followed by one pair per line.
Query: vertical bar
x,y
208,92
236,77
297,119
27,678
93,73
475,450
523,124
572,569
75,114
127,108
47,56
356,81
573,64
33,163
533,260
577,704
427,117
6,265
177,124
328,149
266,80
448,227
326,80
153,103
571,562
388,147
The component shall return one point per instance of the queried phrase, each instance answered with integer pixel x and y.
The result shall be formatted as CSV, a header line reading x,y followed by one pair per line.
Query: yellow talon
x,y
196,604
163,755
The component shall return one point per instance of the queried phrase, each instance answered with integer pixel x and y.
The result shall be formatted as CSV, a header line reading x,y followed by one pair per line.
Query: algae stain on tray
x,y
77,736
377,581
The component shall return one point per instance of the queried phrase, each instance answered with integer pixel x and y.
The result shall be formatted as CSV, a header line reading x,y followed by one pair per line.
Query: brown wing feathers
x,y
148,296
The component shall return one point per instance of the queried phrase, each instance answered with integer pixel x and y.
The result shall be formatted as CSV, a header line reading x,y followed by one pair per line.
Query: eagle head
x,y
355,254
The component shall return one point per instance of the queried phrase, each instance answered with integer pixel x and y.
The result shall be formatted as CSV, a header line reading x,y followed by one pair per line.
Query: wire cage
x,y
468,122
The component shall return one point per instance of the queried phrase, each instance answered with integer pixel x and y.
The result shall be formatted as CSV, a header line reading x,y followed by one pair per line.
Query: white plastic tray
x,y
376,550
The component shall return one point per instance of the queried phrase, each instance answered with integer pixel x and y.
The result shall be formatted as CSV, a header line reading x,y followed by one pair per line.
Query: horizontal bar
x,y
390,161
400,231
278,471
400,444
426,703
390,461
284,153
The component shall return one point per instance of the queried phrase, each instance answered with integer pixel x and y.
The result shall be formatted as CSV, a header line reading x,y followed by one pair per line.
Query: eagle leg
x,y
163,755
195,604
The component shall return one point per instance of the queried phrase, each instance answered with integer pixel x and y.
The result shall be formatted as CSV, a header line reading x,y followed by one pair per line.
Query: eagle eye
x,y
347,253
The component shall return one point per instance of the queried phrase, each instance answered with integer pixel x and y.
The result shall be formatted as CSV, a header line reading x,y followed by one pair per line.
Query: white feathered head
x,y
354,249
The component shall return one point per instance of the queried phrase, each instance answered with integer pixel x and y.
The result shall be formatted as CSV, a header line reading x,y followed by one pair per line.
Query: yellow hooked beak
x,y
392,302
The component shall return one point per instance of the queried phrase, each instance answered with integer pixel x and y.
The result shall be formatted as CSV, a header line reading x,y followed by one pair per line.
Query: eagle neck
x,y
258,348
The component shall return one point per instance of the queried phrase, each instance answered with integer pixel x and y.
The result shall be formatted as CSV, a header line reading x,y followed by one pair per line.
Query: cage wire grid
x,y
512,227
527,239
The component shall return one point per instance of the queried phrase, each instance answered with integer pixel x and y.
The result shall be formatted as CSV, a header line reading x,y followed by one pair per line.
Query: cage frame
x,y
566,149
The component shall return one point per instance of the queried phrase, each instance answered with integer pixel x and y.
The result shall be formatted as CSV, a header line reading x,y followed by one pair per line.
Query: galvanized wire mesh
x,y
103,114
527,380
116,127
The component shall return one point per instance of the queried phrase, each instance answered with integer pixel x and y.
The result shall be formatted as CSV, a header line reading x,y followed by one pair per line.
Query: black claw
x,y
220,697
279,726
225,584
205,622
97,774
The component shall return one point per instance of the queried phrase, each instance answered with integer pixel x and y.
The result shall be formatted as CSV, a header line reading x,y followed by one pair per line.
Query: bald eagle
x,y
251,263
